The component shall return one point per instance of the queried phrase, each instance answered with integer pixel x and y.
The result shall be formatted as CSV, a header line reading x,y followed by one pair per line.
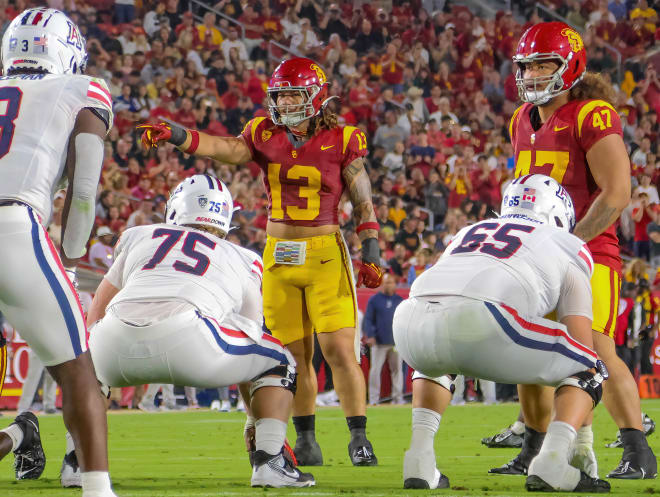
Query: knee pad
x,y
445,381
592,383
283,376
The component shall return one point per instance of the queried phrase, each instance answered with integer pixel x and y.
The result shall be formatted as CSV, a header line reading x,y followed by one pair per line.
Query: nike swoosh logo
x,y
21,474
557,128
323,262
326,147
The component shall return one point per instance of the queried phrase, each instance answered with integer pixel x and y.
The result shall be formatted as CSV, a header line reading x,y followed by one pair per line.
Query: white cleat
x,y
278,472
70,471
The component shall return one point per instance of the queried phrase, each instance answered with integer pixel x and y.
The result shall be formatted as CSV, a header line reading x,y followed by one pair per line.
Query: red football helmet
x,y
549,41
304,76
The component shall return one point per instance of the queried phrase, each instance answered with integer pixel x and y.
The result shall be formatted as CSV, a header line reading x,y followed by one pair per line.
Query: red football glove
x,y
369,275
155,133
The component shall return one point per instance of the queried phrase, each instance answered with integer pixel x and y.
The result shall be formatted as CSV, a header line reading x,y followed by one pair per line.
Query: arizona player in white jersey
x,y
53,123
479,311
182,305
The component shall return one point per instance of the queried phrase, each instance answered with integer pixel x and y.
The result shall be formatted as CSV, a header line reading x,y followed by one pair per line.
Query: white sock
x,y
425,424
585,436
518,427
14,432
96,482
269,435
70,447
552,463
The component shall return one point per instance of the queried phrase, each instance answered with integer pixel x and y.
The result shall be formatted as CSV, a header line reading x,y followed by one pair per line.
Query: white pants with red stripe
x,y
447,334
36,295
185,349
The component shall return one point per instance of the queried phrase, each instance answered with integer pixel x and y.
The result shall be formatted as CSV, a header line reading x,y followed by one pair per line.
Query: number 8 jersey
x,y
37,115
304,184
558,148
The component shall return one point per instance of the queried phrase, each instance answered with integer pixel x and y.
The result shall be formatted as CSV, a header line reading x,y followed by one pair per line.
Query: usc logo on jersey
x,y
319,73
265,135
574,39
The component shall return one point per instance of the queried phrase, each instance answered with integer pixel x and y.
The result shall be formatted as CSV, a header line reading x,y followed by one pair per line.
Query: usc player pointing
x,y
568,129
307,161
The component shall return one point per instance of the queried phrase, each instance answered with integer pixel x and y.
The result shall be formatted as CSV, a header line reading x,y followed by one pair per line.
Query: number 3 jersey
x,y
531,267
558,149
303,184
37,114
164,262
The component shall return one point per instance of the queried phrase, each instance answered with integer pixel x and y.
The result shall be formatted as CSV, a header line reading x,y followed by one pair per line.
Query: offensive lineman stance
x,y
307,162
479,312
55,120
181,305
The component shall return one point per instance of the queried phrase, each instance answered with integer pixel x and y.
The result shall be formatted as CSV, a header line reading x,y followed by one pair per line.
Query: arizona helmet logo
x,y
574,39
202,201
319,73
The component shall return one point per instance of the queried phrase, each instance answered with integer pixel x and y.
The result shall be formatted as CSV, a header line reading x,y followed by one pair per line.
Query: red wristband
x,y
194,142
368,226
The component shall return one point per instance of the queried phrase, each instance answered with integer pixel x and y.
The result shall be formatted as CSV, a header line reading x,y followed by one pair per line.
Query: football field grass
x,y
201,453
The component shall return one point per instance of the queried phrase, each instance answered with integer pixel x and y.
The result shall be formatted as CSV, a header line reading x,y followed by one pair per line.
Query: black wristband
x,y
371,251
179,135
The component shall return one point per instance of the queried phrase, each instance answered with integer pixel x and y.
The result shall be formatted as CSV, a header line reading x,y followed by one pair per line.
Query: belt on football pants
x,y
5,203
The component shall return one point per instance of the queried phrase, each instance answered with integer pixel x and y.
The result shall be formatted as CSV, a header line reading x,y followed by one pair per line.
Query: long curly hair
x,y
593,86
326,119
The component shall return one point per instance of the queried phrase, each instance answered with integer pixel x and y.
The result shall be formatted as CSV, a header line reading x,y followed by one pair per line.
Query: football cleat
x,y
636,466
277,472
307,450
29,457
586,484
514,467
147,407
70,471
504,439
361,452
417,470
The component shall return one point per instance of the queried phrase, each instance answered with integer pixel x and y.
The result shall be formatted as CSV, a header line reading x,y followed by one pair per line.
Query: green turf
x,y
202,454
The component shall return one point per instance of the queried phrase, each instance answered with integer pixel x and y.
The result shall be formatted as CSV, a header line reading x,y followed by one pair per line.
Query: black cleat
x,y
362,453
648,427
504,439
70,471
422,484
29,457
586,484
514,467
307,450
636,466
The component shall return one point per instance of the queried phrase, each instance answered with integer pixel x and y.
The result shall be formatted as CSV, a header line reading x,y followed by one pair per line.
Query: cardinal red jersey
x,y
559,149
303,184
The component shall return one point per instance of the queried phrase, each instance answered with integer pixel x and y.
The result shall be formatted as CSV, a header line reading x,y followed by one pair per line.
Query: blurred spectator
x,y
377,327
334,22
101,252
389,133
210,38
305,42
422,263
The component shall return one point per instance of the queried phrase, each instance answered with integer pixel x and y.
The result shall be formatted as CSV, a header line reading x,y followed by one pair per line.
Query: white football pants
x,y
185,349
36,295
459,335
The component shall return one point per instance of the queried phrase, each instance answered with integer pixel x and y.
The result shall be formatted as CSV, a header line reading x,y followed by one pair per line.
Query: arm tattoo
x,y
599,217
359,188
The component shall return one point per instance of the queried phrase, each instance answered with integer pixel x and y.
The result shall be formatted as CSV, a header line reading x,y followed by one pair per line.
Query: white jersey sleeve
x,y
39,115
252,307
115,274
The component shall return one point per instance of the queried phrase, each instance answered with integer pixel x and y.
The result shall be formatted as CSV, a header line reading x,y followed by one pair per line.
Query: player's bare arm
x,y
610,167
83,166
233,150
359,188
104,294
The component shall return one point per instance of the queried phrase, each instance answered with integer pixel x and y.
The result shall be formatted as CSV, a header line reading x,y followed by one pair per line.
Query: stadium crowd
x,y
432,89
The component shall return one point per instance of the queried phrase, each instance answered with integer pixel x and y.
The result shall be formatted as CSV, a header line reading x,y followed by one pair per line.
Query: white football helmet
x,y
540,198
43,38
201,199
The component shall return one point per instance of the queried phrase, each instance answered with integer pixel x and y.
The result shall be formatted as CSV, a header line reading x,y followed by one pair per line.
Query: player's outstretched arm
x,y
83,165
610,167
224,149
359,188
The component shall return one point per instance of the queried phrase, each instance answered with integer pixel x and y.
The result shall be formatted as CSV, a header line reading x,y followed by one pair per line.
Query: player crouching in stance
x,y
479,312
181,305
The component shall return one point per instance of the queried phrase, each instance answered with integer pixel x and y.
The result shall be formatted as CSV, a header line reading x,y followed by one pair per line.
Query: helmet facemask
x,y
292,114
541,89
